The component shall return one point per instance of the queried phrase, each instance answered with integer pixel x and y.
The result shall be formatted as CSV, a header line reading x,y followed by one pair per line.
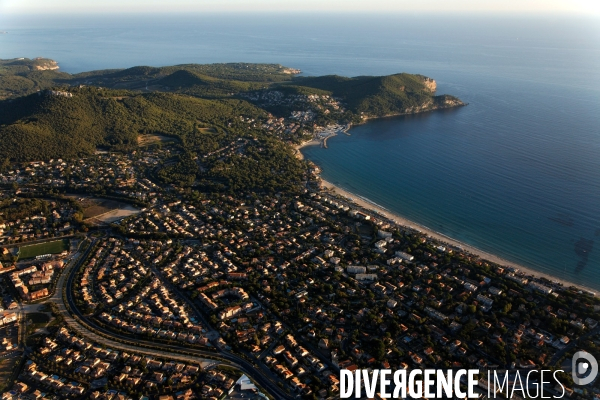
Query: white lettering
x,y
542,382
472,382
370,382
384,382
561,385
346,383
428,382
421,383
515,388
400,383
534,384
500,387
412,384
457,391
444,381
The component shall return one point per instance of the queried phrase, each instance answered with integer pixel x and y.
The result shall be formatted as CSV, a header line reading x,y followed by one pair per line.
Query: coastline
x,y
321,135
437,236
299,147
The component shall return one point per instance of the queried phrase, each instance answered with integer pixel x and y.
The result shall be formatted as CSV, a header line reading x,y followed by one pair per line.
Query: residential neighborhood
x,y
286,288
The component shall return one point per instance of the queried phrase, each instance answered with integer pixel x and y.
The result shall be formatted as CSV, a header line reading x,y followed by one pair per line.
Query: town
x,y
213,295
208,261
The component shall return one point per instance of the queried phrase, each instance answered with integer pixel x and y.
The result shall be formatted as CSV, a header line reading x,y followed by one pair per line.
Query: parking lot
x,y
243,395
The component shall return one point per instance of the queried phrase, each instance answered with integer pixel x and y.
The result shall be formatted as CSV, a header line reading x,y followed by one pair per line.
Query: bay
x,y
515,173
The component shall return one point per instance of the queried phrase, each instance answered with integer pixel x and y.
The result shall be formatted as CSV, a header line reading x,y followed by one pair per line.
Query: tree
x,y
377,348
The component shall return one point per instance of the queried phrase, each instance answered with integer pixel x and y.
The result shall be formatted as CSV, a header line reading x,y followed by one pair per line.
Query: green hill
x,y
43,126
187,74
367,96
183,78
23,65
19,77
196,84
377,96
22,76
141,72
238,71
50,114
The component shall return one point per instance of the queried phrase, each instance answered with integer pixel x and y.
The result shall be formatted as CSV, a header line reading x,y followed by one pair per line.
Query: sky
x,y
581,7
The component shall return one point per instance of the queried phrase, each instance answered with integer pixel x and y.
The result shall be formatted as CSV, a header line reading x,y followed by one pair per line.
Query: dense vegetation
x,y
208,153
209,109
371,95
19,77
233,71
15,208
43,126
378,95
263,165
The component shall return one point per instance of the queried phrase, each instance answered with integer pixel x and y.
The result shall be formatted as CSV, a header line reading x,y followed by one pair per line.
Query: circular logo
x,y
584,368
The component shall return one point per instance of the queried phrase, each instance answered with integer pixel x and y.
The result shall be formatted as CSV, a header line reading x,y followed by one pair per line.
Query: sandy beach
x,y
403,222
313,142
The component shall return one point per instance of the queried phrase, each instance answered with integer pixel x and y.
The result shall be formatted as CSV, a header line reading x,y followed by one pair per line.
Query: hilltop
x,y
377,96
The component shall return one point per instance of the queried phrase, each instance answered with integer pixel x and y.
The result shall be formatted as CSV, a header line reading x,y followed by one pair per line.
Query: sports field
x,y
55,247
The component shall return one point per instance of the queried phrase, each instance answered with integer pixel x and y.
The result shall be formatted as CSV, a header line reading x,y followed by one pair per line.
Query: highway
x,y
78,323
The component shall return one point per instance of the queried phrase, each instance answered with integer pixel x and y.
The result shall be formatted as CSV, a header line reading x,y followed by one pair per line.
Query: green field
x,y
55,247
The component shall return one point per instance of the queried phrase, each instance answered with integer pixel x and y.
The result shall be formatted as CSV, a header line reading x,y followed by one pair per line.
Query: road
x,y
78,323
77,326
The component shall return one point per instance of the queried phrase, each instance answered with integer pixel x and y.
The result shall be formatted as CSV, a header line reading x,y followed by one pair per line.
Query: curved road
x,y
79,324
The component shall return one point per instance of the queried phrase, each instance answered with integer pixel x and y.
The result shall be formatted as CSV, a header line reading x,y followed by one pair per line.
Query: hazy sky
x,y
585,7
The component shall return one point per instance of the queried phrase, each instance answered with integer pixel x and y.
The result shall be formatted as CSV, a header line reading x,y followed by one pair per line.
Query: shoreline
x,y
320,137
299,147
401,221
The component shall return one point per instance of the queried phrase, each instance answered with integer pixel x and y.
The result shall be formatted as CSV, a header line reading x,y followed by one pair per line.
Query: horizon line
x,y
312,12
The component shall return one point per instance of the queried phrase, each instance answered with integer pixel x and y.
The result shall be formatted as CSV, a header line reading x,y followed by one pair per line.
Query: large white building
x,y
366,277
404,256
356,269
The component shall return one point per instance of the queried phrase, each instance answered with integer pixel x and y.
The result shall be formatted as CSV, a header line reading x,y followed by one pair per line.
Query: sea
x,y
515,173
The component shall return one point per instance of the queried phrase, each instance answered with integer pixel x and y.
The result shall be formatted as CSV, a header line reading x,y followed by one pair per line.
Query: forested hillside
x,y
42,126
199,85
23,76
19,77
49,114
378,96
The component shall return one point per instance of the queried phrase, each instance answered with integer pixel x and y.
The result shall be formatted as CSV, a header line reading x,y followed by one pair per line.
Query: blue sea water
x,y
515,173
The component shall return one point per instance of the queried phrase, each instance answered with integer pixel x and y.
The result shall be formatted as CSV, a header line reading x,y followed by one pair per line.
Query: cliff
x,y
430,84
44,64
